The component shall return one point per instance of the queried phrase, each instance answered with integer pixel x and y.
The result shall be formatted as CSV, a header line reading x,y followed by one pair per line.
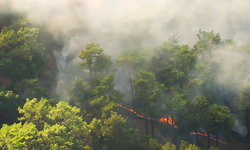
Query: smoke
x,y
112,22
119,24
116,25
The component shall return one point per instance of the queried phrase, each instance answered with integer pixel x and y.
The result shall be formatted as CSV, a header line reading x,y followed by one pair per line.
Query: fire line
x,y
168,120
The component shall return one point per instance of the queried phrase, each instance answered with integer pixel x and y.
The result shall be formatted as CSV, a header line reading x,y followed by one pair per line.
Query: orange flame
x,y
168,120
164,120
75,77
207,136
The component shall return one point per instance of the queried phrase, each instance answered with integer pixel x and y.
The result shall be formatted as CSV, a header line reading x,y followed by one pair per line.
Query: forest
x,y
187,93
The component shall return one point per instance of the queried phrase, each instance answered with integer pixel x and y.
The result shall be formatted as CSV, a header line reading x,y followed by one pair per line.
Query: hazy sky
x,y
110,22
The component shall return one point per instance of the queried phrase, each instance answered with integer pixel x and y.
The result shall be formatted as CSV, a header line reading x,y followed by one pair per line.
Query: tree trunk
x,y
198,143
146,123
131,88
152,125
216,140
208,141
247,125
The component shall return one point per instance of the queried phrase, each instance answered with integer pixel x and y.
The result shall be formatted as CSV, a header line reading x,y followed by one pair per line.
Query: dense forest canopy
x,y
182,96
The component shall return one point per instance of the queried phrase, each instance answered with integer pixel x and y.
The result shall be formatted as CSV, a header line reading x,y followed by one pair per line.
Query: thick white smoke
x,y
109,22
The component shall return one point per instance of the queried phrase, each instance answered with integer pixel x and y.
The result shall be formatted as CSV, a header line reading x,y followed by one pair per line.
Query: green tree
x,y
186,146
35,111
54,137
202,83
20,54
18,136
96,102
150,92
80,93
243,102
103,66
168,146
101,107
218,119
95,61
213,148
196,112
164,73
30,88
105,87
89,54
130,60
48,119
8,106
183,146
111,134
116,135
207,41
172,62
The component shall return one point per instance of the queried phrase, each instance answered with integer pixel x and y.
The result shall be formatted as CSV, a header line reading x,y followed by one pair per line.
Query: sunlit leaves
x,y
17,136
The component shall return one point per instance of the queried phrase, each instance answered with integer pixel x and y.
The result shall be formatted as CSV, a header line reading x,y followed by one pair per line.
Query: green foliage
x,y
219,119
97,102
103,65
115,135
154,145
183,146
108,109
147,143
213,148
79,93
47,79
8,106
30,88
18,136
54,137
20,54
96,62
172,39
105,87
111,134
186,146
130,59
193,114
244,99
61,121
89,54
168,146
164,73
149,92
35,112
207,41
171,62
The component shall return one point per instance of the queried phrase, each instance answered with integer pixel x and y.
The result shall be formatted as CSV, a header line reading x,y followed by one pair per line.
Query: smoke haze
x,y
116,25
112,22
119,24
